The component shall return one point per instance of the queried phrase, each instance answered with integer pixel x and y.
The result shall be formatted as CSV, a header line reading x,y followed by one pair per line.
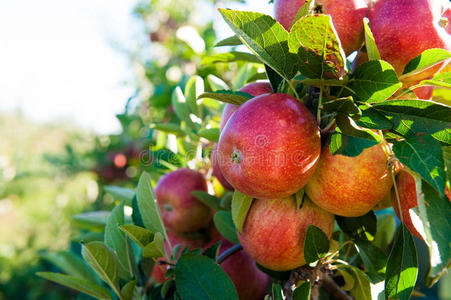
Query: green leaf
x,y
299,196
447,159
232,97
103,261
416,116
373,119
441,80
72,264
240,207
265,37
370,43
314,40
402,266
136,215
348,278
193,88
245,72
199,277
423,155
305,9
274,79
78,284
348,145
224,224
233,40
216,83
318,82
347,126
386,227
148,206
211,134
181,108
435,212
92,220
169,128
128,290
373,258
362,287
231,56
425,60
363,227
139,235
155,248
207,199
342,105
302,292
213,251
276,291
120,193
374,81
116,240
316,244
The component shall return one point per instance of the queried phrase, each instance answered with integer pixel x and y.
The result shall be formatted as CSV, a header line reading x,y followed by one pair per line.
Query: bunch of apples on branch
x,y
345,120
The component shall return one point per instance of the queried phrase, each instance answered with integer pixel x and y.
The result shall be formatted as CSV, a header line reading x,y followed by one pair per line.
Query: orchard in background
x,y
314,139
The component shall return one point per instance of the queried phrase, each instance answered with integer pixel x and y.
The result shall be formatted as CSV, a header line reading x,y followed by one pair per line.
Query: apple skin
x,y
403,29
274,231
249,281
270,147
407,191
194,241
347,17
217,171
255,89
350,186
180,211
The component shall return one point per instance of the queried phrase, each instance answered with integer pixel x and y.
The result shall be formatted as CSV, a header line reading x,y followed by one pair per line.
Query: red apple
x,y
270,147
408,199
249,281
193,241
347,17
217,171
255,89
403,29
350,186
407,190
274,231
180,211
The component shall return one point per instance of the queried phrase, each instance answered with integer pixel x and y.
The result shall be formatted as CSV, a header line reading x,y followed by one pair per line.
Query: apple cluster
x,y
188,222
271,149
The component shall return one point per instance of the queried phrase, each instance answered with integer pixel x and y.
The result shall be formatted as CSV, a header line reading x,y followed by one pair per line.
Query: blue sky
x,y
57,59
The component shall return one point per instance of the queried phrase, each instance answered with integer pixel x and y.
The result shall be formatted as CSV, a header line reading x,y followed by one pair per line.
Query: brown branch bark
x,y
334,289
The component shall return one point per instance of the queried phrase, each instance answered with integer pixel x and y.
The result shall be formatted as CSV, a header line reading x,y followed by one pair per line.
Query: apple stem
x,y
229,252
320,102
328,126
396,193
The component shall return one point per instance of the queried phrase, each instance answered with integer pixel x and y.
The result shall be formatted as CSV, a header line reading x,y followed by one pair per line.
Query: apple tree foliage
x,y
308,63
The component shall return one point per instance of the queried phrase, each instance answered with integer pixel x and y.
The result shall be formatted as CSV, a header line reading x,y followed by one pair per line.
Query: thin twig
x,y
229,252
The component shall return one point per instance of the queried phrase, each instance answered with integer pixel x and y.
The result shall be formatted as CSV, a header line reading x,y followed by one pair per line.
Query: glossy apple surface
x,y
269,147
403,29
180,211
274,231
350,186
254,89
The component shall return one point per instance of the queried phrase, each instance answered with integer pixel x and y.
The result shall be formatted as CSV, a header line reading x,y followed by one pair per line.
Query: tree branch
x,y
334,289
